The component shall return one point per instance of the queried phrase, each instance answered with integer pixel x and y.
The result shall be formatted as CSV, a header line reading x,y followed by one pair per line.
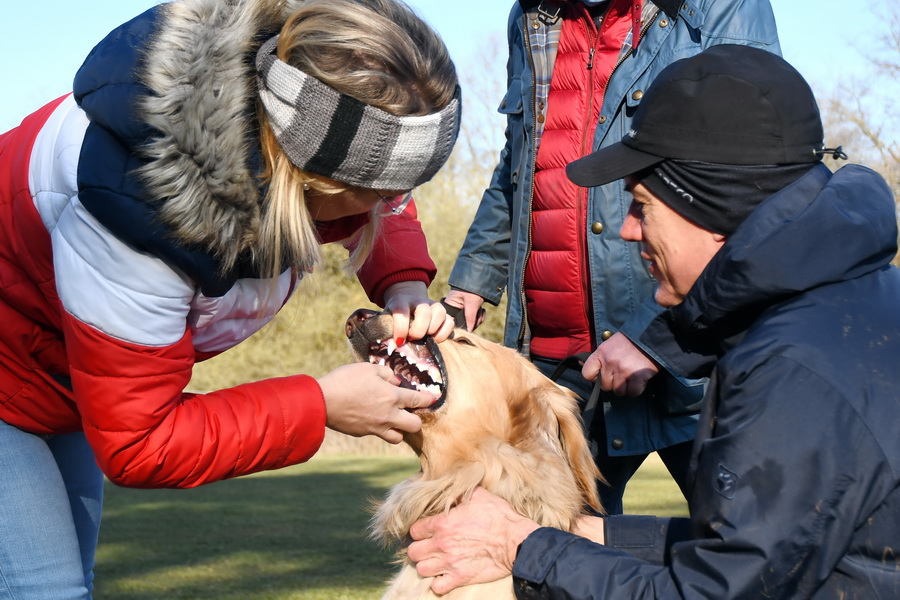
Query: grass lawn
x,y
298,533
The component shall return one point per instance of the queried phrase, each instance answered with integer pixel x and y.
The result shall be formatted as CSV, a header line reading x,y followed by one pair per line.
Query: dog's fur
x,y
502,426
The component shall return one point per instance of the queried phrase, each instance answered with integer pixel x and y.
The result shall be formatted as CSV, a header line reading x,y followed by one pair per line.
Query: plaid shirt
x,y
543,30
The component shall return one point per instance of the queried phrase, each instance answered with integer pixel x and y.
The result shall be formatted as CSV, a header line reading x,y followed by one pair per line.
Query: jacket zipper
x,y
582,203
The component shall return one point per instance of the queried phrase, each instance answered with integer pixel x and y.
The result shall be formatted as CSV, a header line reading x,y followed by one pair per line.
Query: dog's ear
x,y
564,405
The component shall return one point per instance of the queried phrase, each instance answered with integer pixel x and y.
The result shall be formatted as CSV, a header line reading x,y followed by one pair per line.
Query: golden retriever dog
x,y
499,423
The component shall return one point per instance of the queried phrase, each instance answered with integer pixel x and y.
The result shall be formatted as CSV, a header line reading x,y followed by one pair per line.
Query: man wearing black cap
x,y
778,280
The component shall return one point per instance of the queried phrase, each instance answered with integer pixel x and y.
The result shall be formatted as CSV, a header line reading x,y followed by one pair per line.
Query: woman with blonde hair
x,y
163,213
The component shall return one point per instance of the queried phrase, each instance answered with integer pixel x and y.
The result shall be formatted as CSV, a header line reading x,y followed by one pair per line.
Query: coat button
x,y
664,23
606,335
618,444
637,95
602,119
540,118
597,227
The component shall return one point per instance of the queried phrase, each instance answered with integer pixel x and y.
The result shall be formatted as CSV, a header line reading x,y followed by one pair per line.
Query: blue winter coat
x,y
497,245
796,490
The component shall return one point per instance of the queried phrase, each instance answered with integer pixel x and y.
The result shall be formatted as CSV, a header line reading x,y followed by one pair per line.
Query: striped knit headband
x,y
328,133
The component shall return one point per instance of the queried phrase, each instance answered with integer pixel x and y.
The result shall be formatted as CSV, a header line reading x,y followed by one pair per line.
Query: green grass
x,y
298,533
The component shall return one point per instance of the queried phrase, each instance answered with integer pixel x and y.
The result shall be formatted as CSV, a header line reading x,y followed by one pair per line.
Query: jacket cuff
x,y
537,556
644,537
477,278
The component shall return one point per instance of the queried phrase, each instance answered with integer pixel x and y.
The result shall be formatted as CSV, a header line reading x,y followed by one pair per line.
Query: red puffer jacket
x,y
557,292
99,336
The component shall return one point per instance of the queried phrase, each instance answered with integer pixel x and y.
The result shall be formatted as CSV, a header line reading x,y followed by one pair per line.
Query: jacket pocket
x,y
513,107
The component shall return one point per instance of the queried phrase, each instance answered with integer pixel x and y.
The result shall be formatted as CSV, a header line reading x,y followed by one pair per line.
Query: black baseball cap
x,y
730,104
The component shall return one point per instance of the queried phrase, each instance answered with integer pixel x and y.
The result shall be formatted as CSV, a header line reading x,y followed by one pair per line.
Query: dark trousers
x,y
617,470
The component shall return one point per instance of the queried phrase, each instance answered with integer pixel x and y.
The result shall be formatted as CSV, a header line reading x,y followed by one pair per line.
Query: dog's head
x,y
491,400
417,363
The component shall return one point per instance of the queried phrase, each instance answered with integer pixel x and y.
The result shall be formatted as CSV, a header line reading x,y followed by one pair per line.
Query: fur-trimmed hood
x,y
199,69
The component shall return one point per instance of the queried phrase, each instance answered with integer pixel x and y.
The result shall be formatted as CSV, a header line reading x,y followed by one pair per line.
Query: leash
x,y
458,314
587,413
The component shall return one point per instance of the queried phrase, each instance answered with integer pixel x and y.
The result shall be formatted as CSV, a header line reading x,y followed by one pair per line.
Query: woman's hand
x,y
475,542
363,399
415,315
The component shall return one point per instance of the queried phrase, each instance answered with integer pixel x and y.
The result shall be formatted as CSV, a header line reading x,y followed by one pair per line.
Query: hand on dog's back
x,y
363,399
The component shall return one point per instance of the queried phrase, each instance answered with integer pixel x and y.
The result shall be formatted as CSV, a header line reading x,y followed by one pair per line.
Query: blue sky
x,y
43,43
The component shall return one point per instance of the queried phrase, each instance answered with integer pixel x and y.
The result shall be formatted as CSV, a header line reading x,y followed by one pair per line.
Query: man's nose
x,y
631,229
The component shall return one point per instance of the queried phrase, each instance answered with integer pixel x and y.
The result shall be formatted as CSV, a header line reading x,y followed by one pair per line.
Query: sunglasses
x,y
394,205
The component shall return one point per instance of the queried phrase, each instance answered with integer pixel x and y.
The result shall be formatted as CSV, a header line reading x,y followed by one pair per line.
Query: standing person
x,y
778,277
576,72
163,213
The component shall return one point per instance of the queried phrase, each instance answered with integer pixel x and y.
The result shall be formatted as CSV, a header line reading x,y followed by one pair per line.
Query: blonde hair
x,y
377,51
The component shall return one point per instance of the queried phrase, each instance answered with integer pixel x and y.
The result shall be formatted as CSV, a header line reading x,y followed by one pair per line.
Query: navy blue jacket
x,y
796,490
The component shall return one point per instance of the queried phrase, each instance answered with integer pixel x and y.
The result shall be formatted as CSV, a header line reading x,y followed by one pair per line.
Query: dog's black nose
x,y
357,318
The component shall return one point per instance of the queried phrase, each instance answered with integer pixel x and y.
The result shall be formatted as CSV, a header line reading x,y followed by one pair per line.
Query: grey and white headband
x,y
359,144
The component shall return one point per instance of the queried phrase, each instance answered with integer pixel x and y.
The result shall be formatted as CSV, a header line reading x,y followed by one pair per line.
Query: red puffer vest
x,y
557,280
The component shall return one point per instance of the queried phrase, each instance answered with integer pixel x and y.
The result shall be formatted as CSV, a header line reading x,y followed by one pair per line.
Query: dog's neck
x,y
505,470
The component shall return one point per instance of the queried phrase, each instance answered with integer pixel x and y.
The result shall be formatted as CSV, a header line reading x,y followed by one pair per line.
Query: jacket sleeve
x,y
127,318
146,431
400,254
772,509
482,263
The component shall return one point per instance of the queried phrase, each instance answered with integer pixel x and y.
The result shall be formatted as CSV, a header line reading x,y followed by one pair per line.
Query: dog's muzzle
x,y
417,363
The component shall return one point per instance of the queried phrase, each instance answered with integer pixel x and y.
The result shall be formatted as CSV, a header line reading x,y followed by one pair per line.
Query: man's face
x,y
677,249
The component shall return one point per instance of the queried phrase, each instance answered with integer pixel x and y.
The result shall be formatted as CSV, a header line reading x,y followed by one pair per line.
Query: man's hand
x,y
471,305
475,542
623,368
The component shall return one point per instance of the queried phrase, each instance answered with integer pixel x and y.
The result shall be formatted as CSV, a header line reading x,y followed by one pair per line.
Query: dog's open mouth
x,y
417,364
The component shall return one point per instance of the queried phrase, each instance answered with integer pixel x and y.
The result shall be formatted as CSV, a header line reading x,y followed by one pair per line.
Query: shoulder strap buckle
x,y
548,13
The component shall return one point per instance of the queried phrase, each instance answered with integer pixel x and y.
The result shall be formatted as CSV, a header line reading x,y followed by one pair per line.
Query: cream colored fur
x,y
504,426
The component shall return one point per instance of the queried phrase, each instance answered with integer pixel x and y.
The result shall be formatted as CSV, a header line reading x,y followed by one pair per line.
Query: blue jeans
x,y
51,492
617,470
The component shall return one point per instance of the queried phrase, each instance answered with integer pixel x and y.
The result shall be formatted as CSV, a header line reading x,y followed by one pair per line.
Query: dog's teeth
x,y
391,346
372,360
430,388
382,362
434,373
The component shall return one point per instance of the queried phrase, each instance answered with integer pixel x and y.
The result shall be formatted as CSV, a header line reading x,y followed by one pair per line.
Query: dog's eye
x,y
464,341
